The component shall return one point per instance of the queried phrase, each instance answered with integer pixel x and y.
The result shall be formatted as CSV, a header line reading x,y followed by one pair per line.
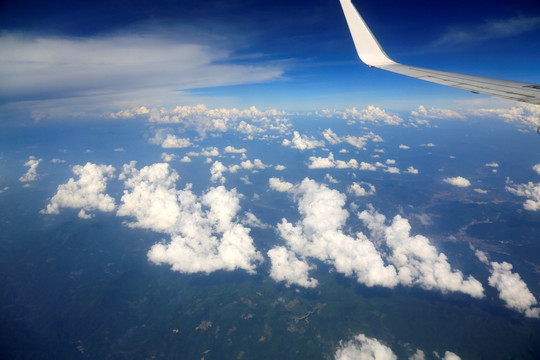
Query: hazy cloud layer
x,y
106,70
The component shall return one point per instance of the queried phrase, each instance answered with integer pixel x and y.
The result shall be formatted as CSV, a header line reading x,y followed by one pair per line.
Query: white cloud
x,y
480,191
390,162
363,348
31,173
322,163
457,181
372,114
412,170
361,189
185,159
216,172
233,150
358,142
404,147
537,168
367,166
119,149
280,167
302,142
173,142
512,290
167,157
530,190
392,170
205,233
330,179
58,161
428,145
417,261
524,114
279,185
87,192
330,162
492,164
204,120
436,113
448,355
253,221
320,234
287,267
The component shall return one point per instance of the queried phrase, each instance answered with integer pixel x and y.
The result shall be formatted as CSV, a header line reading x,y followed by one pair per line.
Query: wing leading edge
x,y
372,54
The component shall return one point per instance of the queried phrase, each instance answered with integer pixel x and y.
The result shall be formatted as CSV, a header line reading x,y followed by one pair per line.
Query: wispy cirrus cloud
x,y
102,72
489,30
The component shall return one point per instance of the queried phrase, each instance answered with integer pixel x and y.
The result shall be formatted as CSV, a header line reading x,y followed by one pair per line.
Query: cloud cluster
x,y
362,347
527,115
205,232
320,234
357,141
371,114
302,142
512,290
361,189
31,173
250,121
530,190
329,162
86,193
422,115
458,181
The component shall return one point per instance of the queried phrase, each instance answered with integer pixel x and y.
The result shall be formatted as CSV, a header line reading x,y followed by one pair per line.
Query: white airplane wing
x,y
370,52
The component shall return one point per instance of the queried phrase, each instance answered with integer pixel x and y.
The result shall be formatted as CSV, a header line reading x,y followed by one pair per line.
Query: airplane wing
x,y
372,54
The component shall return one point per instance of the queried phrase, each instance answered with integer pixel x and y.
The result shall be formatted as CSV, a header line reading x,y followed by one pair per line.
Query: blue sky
x,y
61,58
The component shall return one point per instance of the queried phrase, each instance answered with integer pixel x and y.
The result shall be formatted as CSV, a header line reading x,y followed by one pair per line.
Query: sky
x,y
62,58
209,123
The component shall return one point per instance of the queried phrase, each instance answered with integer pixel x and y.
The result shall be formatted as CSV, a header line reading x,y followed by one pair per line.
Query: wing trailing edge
x,y
372,54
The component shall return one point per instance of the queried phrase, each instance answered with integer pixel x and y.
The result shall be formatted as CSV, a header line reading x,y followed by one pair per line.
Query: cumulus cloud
x,y
512,289
530,190
233,150
279,185
167,157
370,114
417,262
169,141
320,234
457,181
288,268
200,118
412,170
329,162
480,191
86,193
404,147
280,167
358,142
492,164
205,232
31,173
302,142
436,113
216,172
363,348
537,168
361,189
527,115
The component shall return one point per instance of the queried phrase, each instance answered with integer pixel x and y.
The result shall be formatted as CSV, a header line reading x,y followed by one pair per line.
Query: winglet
x,y
368,48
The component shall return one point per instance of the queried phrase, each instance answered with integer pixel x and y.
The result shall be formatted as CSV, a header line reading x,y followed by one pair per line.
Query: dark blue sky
x,y
292,55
